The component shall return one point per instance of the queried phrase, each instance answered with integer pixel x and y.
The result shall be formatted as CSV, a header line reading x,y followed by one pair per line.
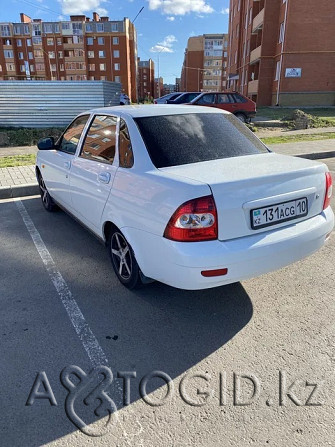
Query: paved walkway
x,y
19,150
20,175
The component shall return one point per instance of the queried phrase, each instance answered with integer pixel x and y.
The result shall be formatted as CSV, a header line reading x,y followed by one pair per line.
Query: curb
x,y
9,192
317,155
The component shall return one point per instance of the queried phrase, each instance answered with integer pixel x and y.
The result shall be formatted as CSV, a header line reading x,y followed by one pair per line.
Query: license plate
x,y
277,213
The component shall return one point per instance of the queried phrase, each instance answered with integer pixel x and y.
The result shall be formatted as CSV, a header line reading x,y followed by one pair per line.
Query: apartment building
x,y
146,79
282,52
78,49
159,87
205,63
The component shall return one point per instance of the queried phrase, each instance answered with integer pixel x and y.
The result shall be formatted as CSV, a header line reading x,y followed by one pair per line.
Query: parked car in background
x,y
163,99
124,100
185,195
183,98
241,106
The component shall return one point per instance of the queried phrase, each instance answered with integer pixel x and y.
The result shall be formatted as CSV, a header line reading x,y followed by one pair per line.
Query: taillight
x,y
329,190
195,220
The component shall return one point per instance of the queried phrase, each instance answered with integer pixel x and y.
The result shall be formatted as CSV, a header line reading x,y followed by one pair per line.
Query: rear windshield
x,y
173,140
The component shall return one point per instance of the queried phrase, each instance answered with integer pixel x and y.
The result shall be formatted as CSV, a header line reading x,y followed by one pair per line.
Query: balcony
x,y
255,55
257,23
253,87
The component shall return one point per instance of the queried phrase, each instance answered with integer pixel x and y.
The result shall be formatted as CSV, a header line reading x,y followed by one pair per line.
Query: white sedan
x,y
185,195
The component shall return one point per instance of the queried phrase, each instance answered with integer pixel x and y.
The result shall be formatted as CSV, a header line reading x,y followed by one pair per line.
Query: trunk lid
x,y
242,184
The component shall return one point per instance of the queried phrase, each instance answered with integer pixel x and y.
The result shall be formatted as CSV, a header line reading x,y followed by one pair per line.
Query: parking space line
x,y
84,332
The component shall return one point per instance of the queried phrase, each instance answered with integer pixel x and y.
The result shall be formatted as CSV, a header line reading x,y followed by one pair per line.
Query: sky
x,y
163,26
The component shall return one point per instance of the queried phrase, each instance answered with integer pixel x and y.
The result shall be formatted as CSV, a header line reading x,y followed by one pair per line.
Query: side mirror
x,y
46,144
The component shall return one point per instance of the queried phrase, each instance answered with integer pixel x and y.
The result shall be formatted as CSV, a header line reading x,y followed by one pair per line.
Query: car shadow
x,y
154,328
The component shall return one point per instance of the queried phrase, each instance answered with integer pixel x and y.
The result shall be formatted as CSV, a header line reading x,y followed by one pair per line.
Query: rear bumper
x,y
180,264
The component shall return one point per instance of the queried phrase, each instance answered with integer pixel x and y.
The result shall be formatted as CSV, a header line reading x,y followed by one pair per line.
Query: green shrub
x,y
23,136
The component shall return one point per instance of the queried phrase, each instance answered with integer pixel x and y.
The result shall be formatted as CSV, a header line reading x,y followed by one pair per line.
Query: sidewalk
x,y
21,181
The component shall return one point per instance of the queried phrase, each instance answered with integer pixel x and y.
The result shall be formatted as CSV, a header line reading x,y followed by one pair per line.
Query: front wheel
x,y
123,260
47,201
241,117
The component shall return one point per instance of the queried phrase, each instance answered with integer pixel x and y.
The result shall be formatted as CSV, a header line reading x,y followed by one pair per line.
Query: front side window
x,y
207,99
99,144
126,156
69,140
173,140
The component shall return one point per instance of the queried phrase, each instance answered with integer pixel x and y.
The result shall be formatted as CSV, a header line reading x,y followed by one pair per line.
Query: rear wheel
x,y
241,117
47,201
123,260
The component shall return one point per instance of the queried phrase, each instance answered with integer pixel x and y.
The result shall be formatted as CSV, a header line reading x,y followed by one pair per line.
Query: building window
x,y
37,30
22,68
117,78
20,55
32,68
61,67
92,78
101,41
38,53
100,27
60,54
101,53
114,27
102,78
51,54
56,28
19,42
10,67
65,26
77,28
116,67
5,30
47,28
116,53
89,27
89,41
40,67
277,71
37,40
59,41
91,67
281,33
50,41
8,53
28,42
90,54
53,67
26,29
102,67
30,55
115,41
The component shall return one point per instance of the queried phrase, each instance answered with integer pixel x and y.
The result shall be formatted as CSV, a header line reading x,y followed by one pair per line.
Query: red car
x,y
241,106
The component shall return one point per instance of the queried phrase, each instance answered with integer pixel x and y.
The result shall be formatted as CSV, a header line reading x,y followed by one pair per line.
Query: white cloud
x,y
225,11
170,19
165,46
82,6
102,12
180,7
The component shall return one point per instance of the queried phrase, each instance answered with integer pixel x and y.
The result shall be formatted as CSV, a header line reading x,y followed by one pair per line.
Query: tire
x,y
47,201
123,260
241,117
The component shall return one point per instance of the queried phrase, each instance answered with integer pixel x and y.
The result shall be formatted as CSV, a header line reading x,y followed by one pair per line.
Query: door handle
x,y
104,177
67,164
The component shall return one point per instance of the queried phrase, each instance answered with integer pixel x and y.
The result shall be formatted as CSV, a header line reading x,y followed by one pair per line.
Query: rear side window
x,y
224,98
99,144
173,140
126,156
207,99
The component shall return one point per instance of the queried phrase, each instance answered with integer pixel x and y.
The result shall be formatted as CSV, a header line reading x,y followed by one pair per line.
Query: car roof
x,y
137,111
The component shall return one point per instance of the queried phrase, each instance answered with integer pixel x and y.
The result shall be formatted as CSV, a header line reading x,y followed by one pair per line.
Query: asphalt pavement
x,y
251,363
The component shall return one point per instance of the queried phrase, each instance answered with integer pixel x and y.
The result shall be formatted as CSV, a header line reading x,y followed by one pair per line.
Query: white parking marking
x,y
84,332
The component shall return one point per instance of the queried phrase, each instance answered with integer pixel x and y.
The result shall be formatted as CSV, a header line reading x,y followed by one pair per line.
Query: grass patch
x,y
17,160
323,117
297,138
